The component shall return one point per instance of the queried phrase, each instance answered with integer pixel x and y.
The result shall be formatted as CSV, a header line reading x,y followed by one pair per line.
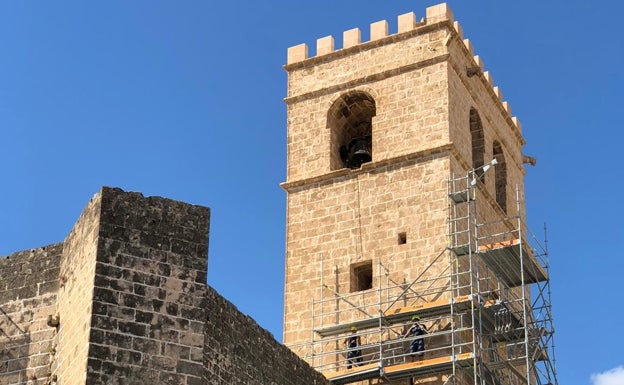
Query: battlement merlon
x,y
297,56
378,30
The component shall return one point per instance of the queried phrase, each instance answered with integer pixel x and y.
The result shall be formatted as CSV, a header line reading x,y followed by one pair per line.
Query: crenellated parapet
x,y
378,30
407,23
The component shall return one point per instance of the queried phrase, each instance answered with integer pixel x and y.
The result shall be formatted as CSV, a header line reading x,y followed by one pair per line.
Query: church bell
x,y
358,151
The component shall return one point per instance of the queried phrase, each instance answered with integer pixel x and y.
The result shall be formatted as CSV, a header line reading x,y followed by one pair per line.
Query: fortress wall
x,y
149,291
238,351
28,293
128,285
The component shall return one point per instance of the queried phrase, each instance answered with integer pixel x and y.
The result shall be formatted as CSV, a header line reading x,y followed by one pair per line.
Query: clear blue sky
x,y
184,100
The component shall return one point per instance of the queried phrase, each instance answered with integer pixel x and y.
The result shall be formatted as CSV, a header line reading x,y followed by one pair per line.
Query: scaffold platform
x,y
429,309
399,371
402,314
428,366
512,263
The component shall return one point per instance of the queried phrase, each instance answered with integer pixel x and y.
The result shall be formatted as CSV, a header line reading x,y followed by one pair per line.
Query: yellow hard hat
x,y
353,329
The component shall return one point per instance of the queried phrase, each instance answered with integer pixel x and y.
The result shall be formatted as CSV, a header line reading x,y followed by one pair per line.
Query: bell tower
x,y
404,169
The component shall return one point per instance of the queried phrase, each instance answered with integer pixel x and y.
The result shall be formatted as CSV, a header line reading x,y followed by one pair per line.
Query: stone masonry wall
x,y
478,92
129,287
237,351
149,303
28,285
333,226
407,80
75,296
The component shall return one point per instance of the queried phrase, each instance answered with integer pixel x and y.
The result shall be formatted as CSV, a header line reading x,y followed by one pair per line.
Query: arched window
x,y
478,143
500,176
350,122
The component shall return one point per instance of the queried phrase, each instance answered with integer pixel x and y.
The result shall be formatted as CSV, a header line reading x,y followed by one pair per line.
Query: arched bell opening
x,y
500,176
478,144
350,121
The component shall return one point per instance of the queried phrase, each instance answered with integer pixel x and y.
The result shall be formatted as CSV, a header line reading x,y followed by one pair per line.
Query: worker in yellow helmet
x,y
354,353
417,330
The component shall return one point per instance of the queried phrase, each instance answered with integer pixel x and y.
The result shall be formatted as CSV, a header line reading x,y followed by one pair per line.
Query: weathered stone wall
x,y
478,92
75,297
396,74
148,296
354,219
237,351
129,287
28,286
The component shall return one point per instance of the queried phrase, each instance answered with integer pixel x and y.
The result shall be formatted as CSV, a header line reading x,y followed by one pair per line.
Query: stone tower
x,y
387,139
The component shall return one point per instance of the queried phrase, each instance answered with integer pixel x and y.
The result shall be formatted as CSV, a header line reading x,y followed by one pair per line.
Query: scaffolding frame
x,y
488,309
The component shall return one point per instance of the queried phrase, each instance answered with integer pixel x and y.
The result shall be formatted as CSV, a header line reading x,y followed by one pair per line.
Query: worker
x,y
354,353
417,346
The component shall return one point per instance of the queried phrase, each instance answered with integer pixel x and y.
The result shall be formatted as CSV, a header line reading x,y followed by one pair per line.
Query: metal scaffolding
x,y
485,300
